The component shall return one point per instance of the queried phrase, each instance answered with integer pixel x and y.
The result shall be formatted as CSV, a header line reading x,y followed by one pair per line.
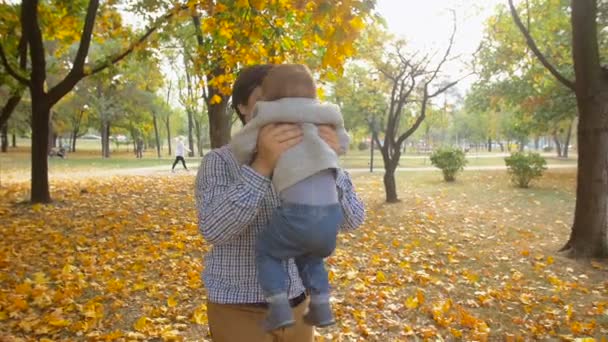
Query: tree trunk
x,y
41,118
168,125
219,124
190,132
537,143
105,140
14,140
390,165
4,138
566,151
502,146
74,137
589,234
558,145
522,145
154,121
199,138
489,144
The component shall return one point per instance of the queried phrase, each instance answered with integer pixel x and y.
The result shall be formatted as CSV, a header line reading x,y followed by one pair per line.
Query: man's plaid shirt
x,y
234,204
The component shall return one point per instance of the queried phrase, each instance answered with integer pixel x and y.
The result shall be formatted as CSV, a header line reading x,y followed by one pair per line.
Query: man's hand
x,y
329,134
273,140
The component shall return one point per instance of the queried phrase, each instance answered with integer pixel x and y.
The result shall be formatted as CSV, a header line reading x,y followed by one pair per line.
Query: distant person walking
x,y
179,154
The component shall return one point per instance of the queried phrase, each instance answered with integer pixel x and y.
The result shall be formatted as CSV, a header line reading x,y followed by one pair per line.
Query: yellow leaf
x,y
550,260
420,297
23,289
139,286
357,23
141,324
172,302
380,277
200,315
3,315
411,303
40,278
58,322
216,99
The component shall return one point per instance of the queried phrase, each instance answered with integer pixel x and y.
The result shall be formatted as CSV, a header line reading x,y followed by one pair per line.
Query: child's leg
x,y
184,163
273,246
315,278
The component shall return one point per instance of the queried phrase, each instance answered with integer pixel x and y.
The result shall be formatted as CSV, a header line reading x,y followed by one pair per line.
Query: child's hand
x,y
329,134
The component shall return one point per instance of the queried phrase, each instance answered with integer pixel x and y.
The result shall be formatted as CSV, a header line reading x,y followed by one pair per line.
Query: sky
x,y
427,25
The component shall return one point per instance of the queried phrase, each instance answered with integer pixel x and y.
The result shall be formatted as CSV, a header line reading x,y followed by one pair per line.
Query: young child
x,y
305,226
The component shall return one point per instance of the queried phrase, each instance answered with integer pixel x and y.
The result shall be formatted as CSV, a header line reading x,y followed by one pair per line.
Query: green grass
x,y
88,156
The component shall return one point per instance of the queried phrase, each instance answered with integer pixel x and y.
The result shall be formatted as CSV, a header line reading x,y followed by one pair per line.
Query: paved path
x,y
164,170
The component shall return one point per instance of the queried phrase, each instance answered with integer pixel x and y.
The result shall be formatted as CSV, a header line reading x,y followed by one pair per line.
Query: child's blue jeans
x,y
306,233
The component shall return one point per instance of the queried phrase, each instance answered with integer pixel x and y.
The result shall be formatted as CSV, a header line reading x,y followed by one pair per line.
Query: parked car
x,y
90,137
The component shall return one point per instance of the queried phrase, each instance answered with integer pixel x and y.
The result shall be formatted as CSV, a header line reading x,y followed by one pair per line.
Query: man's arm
x,y
352,206
226,206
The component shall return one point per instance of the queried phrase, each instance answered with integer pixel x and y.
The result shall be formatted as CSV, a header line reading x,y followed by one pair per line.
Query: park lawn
x,y
116,258
17,162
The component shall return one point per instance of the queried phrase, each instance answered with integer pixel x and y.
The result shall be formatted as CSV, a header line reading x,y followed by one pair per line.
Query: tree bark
x,y
589,234
199,138
14,140
219,124
566,151
489,144
168,125
154,121
558,145
41,115
105,139
4,138
190,132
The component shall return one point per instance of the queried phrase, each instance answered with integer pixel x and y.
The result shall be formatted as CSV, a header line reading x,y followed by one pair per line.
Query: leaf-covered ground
x,y
120,259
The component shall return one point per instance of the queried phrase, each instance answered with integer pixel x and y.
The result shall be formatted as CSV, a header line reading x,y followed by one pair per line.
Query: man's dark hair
x,y
248,79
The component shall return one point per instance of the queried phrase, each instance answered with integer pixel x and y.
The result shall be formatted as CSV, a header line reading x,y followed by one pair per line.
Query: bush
x,y
363,146
450,160
525,167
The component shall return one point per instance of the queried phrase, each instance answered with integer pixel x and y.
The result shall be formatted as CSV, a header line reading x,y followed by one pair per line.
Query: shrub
x,y
363,146
450,160
525,167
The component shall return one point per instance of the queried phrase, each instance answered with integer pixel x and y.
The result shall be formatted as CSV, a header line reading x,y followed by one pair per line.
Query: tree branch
x,y
12,71
447,52
119,57
77,71
418,122
537,52
9,107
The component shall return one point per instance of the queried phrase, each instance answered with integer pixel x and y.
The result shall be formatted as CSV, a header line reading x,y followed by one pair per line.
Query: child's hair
x,y
289,80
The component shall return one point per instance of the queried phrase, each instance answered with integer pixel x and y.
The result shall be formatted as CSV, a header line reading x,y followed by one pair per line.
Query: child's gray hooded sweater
x,y
304,160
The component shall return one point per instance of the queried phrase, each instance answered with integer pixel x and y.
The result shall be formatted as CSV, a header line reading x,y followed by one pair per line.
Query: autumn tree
x,y
232,34
45,94
590,85
514,84
414,82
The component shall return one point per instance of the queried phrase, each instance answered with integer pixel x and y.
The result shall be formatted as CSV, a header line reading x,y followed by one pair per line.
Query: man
x,y
234,204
